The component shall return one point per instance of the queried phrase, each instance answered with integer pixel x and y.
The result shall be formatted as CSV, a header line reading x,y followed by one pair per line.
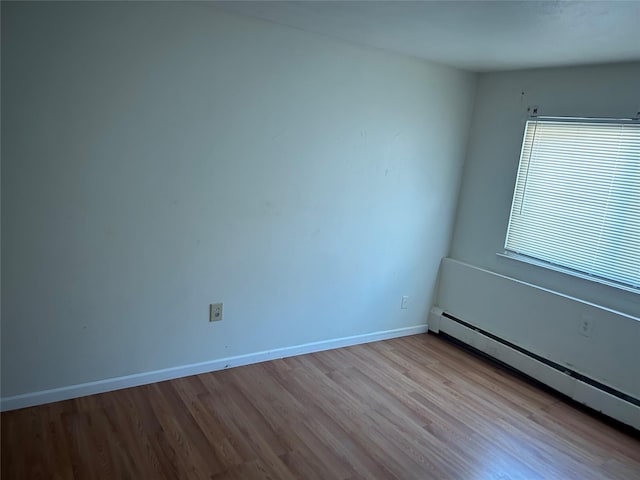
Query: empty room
x,y
320,240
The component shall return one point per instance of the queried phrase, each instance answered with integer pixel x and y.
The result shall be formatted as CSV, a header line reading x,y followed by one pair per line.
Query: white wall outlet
x,y
215,312
404,303
586,326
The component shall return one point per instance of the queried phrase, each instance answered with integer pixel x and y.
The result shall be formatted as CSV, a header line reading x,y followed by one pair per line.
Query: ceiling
x,y
473,35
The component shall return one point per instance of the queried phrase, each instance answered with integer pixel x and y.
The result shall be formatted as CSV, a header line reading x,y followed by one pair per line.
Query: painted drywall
x,y
159,156
545,323
483,213
492,162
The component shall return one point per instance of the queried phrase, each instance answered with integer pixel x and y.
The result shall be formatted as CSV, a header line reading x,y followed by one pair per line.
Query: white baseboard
x,y
117,383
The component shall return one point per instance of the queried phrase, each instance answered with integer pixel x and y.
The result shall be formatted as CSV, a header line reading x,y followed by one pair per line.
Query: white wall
x,y
482,217
545,323
158,157
492,163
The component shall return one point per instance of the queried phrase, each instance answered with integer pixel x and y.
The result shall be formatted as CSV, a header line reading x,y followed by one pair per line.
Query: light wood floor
x,y
415,407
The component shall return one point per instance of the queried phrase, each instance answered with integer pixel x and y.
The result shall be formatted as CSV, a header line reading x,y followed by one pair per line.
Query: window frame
x,y
531,260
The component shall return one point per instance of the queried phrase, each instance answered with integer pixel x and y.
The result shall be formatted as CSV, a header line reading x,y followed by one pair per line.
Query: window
x,y
576,203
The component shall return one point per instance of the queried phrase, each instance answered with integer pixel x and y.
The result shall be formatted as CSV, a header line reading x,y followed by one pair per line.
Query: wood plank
x,y
413,407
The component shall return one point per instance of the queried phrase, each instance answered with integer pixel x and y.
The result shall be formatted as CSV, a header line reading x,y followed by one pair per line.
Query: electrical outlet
x,y
404,303
586,327
215,312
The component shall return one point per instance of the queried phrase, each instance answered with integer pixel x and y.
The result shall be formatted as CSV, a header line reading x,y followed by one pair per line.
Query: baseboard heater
x,y
598,396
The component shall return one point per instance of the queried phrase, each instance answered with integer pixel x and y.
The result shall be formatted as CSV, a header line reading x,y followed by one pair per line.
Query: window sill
x,y
539,263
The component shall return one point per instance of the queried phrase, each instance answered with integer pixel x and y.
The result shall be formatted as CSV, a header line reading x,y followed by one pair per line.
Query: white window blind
x,y
576,202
